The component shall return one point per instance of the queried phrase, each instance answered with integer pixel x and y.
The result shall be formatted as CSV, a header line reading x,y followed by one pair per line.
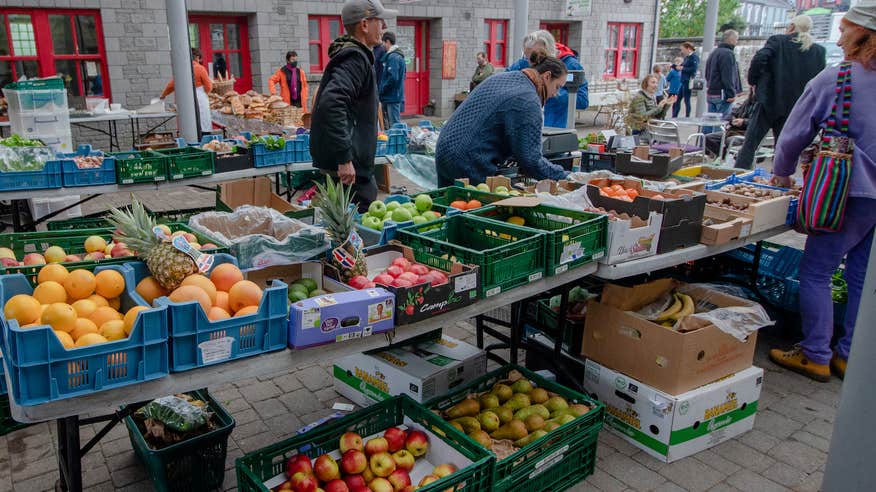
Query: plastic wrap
x,y
736,321
418,168
261,237
24,158
177,413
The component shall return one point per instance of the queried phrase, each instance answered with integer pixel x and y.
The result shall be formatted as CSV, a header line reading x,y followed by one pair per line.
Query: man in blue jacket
x,y
392,81
688,71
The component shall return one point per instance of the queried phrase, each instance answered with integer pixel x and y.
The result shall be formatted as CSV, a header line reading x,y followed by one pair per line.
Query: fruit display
x,y
619,192
418,211
333,202
498,190
401,273
88,162
466,205
218,146
727,203
758,192
304,289
669,309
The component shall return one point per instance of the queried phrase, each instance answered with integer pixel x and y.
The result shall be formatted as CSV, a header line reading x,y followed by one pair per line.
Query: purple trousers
x,y
821,258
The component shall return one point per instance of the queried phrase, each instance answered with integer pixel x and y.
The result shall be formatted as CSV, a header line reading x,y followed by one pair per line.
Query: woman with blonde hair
x,y
779,73
644,107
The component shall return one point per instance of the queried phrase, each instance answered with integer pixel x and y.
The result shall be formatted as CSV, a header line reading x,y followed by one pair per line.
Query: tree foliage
x,y
687,18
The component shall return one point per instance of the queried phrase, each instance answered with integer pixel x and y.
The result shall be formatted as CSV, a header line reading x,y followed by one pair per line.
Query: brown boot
x,y
838,366
795,360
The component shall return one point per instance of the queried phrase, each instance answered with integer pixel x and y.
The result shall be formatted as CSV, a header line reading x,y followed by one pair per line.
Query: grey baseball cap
x,y
356,10
863,14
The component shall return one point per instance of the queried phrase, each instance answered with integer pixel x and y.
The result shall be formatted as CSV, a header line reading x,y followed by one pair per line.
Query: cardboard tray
x,y
763,214
659,166
676,207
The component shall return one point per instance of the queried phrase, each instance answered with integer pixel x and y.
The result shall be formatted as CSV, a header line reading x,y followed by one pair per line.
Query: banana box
x,y
632,238
671,427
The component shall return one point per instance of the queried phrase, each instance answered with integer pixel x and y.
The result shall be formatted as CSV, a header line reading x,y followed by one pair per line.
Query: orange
x,y
244,293
224,276
632,193
607,190
60,316
222,301
203,282
217,313
84,307
473,204
460,204
109,284
50,292
113,330
90,339
79,284
186,293
131,318
149,289
54,272
65,339
617,187
83,326
247,310
98,300
115,303
657,197
103,314
23,308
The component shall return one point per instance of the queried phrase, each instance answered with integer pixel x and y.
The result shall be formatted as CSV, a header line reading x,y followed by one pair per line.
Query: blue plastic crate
x,y
48,177
262,157
195,341
790,220
301,148
73,176
2,378
42,370
373,237
397,143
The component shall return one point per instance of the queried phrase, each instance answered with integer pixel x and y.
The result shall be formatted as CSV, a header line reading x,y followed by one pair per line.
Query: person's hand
x,y
781,181
731,99
737,121
346,173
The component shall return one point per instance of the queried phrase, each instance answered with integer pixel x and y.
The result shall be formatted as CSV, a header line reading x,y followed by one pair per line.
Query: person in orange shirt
x,y
203,86
293,82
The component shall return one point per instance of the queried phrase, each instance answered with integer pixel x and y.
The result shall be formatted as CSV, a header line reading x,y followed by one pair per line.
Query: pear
x,y
505,414
482,438
469,424
521,386
503,391
538,395
534,422
530,438
549,426
488,401
530,410
555,403
561,420
517,402
458,426
513,430
579,409
465,408
489,421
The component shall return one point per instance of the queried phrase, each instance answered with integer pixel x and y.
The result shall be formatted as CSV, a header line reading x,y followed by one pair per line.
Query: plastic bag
x,y
737,321
418,168
176,413
261,237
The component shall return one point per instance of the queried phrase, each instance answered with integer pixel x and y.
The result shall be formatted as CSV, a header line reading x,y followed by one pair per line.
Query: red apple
x,y
304,482
351,440
428,479
380,485
358,282
395,437
97,255
394,271
444,470
190,237
439,275
400,282
7,253
417,443
209,246
33,259
8,262
326,468
404,459
368,475
74,258
402,263
409,488
353,462
355,481
419,269
382,464
384,279
298,463
361,489
409,276
399,479
376,445
287,485
120,250
336,485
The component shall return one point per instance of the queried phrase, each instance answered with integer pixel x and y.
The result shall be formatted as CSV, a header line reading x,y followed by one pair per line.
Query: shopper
x,y
540,39
661,83
484,70
644,108
740,117
501,121
292,81
673,79
780,71
203,86
343,137
722,75
689,68
824,252
391,90
556,110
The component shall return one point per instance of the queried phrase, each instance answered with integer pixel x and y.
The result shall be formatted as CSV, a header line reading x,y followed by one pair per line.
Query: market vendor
x,y
203,86
501,120
292,81
644,108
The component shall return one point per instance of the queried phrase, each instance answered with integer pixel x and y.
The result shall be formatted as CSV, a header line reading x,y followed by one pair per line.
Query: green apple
x,y
384,221
501,190
483,187
419,219
377,209
423,202
514,193
364,217
411,206
430,216
401,215
372,222
391,206
470,187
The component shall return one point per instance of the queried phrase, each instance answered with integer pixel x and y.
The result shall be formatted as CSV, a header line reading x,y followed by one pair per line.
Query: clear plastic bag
x,y
418,168
176,413
738,321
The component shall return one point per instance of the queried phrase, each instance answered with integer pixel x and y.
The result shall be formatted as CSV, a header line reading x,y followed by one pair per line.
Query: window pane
x,y
235,66
217,36
626,62
66,69
4,38
86,35
21,29
313,29
6,73
233,36
29,68
609,63
500,54
314,54
612,35
488,52
91,78
500,31
195,35
629,36
334,29
62,34
487,31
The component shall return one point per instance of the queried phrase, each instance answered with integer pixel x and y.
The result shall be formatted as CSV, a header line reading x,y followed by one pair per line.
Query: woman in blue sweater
x,y
501,120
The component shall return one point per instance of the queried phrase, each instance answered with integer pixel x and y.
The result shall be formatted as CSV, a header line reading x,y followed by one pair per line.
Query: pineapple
x,y
333,202
168,265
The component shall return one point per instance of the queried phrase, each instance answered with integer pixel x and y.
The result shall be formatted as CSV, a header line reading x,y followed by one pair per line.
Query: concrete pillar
x,y
181,61
708,46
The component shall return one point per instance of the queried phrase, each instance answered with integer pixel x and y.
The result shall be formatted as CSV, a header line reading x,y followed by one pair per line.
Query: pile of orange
x,y
82,308
619,192
466,205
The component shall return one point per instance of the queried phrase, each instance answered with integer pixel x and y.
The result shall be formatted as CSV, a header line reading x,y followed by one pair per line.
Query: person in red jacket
x,y
293,82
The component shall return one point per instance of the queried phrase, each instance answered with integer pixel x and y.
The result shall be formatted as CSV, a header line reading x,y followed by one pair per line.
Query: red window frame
x,y
491,43
243,80
616,49
323,41
560,31
45,49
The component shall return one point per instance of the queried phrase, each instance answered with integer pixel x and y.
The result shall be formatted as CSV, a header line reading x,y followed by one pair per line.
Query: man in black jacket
x,y
722,76
688,71
779,72
343,134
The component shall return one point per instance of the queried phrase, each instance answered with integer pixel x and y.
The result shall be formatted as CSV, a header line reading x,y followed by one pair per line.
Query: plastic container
x,y
73,176
257,467
187,162
48,177
140,167
300,148
193,465
195,341
552,462
549,319
396,143
749,178
262,157
571,238
508,256
42,370
449,194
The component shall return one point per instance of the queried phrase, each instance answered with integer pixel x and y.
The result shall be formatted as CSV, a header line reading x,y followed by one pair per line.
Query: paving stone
x,y
267,409
102,487
649,461
811,484
284,426
301,402
246,416
626,470
748,480
260,391
692,474
255,442
829,397
232,454
315,416
287,383
95,476
115,446
803,409
743,455
775,424
327,395
759,440
601,480
125,477
121,460
821,428
237,405
31,462
245,382
227,394
44,481
248,430
723,487
670,487
314,378
602,451
141,486
785,474
816,442
799,455
621,445
230,481
712,460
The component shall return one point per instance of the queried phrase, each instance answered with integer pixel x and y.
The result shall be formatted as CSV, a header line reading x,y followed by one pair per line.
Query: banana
x,y
671,310
686,309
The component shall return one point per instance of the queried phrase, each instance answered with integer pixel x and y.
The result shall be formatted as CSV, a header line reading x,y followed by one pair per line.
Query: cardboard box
x,y
492,181
553,187
422,368
657,165
672,361
632,239
764,214
256,191
722,231
673,427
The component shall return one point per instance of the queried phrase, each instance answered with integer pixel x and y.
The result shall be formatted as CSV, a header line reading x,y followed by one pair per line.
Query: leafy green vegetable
x,y
18,141
271,142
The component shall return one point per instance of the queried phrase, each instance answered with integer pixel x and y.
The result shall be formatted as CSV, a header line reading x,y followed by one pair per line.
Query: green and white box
x,y
672,427
422,368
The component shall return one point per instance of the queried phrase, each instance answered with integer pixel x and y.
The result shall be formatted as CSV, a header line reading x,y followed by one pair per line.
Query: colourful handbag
x,y
822,202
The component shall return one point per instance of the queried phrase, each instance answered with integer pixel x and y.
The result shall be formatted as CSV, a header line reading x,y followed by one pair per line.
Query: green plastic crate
x,y
552,461
508,256
99,220
301,179
140,167
193,465
572,238
445,196
187,162
257,467
7,425
573,334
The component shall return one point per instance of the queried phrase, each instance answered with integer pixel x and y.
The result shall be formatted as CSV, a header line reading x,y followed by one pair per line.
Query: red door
x,y
223,40
560,31
412,37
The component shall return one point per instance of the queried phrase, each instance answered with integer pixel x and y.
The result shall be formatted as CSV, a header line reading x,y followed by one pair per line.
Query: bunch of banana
x,y
682,306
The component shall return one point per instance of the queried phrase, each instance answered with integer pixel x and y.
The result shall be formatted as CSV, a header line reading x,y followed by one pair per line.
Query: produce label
x,y
572,252
547,462
465,282
216,350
